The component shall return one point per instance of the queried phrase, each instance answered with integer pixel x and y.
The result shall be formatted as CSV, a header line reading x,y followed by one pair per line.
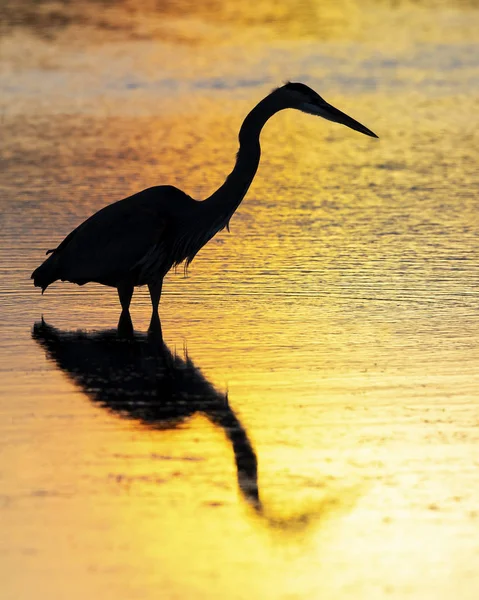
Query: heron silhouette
x,y
137,377
136,241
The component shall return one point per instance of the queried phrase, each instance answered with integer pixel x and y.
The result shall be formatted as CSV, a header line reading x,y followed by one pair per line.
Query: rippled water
x,y
310,429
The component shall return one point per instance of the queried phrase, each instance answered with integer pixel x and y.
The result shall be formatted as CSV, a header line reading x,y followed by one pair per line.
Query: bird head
x,y
303,98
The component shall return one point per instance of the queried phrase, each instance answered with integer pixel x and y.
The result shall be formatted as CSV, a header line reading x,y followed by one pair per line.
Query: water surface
x,y
310,429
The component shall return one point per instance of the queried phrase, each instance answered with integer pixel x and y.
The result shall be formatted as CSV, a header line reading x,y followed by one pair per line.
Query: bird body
x,y
136,241
129,241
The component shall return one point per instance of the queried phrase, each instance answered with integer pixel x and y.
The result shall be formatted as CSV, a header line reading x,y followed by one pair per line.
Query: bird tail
x,y
46,273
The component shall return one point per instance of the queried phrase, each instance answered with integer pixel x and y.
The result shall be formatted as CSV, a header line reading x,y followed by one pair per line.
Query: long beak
x,y
327,111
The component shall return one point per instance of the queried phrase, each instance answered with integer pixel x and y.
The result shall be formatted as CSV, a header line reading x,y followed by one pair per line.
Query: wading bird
x,y
136,241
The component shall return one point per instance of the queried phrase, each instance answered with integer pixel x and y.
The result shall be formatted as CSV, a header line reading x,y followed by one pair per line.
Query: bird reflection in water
x,y
138,377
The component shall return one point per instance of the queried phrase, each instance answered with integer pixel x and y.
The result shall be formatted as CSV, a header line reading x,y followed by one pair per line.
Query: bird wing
x,y
112,242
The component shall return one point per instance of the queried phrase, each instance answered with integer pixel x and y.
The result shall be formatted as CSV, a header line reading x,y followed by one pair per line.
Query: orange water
x,y
338,322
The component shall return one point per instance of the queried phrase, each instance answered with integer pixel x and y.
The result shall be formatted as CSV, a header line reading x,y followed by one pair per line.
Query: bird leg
x,y
125,325
155,294
125,292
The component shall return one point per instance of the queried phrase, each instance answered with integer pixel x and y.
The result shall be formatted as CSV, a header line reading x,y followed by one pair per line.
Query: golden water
x,y
338,322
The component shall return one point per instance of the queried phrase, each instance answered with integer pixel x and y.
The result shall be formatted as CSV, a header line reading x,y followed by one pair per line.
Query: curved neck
x,y
222,204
